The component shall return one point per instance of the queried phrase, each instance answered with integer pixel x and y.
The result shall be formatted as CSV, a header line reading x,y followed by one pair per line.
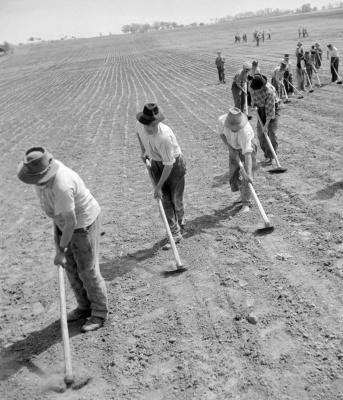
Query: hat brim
x,y
147,119
35,179
234,127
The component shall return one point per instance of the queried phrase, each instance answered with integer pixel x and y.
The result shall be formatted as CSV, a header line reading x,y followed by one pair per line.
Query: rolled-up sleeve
x,y
245,139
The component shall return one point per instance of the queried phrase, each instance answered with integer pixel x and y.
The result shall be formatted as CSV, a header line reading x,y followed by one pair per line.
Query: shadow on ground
x,y
112,269
20,353
329,191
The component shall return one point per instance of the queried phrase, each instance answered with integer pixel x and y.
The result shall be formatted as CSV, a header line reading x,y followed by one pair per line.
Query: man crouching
x,y
238,135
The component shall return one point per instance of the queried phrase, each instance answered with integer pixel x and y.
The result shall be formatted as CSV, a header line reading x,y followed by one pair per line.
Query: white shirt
x,y
240,140
65,193
160,146
333,52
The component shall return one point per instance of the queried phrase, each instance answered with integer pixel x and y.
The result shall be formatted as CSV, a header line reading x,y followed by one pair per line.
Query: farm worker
x,y
220,61
309,67
239,86
255,69
263,96
288,76
318,55
76,218
333,56
238,135
168,168
299,53
277,78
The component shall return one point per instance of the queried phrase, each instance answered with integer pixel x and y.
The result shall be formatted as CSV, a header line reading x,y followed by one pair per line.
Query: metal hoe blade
x,y
278,170
264,231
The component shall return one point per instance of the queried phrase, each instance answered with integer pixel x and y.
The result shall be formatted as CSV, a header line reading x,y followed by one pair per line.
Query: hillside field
x,y
253,317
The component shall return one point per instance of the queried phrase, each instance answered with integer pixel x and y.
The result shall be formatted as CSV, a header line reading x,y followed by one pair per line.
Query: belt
x,y
82,230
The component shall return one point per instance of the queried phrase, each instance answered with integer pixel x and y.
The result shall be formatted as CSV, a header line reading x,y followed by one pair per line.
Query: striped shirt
x,y
265,98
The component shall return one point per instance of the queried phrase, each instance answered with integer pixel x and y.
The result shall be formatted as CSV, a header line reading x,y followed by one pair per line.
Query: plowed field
x,y
253,317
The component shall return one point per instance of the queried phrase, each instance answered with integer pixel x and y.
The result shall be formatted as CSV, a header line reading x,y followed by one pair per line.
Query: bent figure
x,y
238,135
76,217
168,167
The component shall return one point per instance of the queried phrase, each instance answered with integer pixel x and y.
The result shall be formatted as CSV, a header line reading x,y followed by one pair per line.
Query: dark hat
x,y
150,113
286,55
258,81
37,167
329,46
255,62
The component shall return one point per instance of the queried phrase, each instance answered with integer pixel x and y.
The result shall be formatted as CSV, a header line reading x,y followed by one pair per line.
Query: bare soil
x,y
253,317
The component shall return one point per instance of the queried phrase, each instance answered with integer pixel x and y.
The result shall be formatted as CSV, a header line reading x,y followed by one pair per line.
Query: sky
x,y
53,19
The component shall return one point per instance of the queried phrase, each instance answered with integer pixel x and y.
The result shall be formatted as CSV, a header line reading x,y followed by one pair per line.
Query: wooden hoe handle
x,y
64,327
269,142
257,201
164,219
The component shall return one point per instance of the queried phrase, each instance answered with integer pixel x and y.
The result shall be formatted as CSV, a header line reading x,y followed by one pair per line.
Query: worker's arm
x,y
69,219
165,175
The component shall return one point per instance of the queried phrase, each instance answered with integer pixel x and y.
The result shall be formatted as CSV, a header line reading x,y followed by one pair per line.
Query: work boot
x,y
78,313
177,239
92,324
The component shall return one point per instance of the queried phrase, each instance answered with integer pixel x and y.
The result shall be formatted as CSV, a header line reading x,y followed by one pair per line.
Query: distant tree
x,y
31,39
144,28
126,29
306,8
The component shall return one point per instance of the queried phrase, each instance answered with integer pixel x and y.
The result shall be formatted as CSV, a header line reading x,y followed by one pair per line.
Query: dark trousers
x,y
288,82
334,62
238,97
172,191
272,128
221,74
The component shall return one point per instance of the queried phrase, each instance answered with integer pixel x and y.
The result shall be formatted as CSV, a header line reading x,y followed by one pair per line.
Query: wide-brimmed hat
x,y
235,119
149,114
37,167
258,81
246,65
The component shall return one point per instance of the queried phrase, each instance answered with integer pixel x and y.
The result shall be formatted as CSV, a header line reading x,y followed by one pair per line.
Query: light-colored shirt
x,y
333,52
278,74
65,193
160,146
240,140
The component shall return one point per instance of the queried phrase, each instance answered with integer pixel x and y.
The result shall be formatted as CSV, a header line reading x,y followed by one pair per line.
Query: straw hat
x,y
235,119
37,167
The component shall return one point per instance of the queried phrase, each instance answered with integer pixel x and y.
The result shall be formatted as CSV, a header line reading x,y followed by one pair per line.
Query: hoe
x,y
268,228
278,169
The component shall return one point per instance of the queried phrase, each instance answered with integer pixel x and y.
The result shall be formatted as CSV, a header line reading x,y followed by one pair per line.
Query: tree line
x,y
266,12
155,26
